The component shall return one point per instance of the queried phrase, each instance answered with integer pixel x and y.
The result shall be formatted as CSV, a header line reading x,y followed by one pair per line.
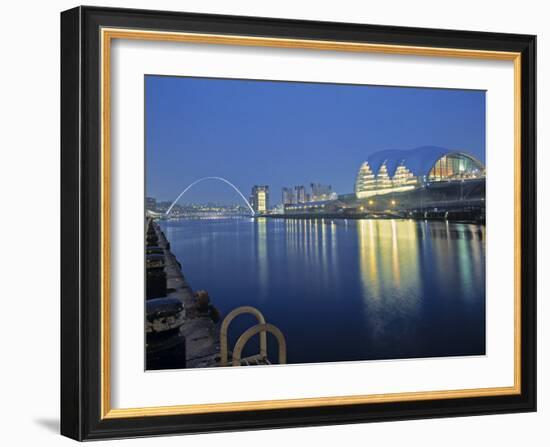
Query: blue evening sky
x,y
291,133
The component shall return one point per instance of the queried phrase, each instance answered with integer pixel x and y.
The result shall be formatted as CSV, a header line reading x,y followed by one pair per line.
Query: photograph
x,y
283,221
296,222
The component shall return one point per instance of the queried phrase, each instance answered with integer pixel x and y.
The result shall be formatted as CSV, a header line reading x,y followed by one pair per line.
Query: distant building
x,y
150,203
300,192
278,209
320,192
259,199
288,196
395,171
324,207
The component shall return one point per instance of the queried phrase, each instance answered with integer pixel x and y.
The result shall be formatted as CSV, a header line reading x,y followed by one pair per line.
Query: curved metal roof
x,y
419,161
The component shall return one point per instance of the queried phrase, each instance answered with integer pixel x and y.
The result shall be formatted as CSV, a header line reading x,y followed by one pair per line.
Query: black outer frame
x,y
80,223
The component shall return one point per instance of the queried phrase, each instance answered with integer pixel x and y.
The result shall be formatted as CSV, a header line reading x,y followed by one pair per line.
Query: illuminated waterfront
x,y
344,289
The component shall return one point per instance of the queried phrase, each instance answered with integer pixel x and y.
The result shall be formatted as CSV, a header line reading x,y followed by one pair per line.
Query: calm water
x,y
344,290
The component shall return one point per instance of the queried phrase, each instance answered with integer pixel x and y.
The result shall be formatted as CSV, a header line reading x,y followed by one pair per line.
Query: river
x,y
343,290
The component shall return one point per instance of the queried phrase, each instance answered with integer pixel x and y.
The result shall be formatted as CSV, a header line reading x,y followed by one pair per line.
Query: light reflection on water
x,y
345,289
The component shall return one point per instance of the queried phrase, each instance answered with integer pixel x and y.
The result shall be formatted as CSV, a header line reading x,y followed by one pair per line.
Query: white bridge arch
x,y
221,179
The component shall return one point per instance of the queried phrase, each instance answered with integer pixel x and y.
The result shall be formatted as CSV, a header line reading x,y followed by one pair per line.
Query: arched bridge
x,y
221,179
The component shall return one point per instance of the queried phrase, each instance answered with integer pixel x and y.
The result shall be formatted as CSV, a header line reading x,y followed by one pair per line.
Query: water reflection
x,y
346,289
262,255
390,273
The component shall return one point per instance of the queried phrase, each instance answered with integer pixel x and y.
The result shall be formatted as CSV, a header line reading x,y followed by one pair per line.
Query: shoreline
x,y
202,334
369,217
335,217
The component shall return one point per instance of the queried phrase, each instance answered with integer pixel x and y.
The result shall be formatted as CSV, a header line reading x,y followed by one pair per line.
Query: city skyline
x,y
384,192
199,127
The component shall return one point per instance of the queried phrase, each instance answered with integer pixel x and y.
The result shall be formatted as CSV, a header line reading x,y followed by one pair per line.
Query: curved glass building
x,y
402,170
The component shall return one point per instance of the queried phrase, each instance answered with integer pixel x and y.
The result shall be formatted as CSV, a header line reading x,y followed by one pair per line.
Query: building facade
x,y
404,170
288,196
320,192
300,193
259,199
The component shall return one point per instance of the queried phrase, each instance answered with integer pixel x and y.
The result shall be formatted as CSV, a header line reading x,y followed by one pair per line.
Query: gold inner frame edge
x,y
106,36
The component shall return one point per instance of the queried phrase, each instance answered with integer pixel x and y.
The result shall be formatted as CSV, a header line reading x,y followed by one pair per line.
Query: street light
x,y
393,202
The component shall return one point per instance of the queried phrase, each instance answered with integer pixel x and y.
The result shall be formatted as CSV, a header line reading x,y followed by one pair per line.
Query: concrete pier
x,y
200,331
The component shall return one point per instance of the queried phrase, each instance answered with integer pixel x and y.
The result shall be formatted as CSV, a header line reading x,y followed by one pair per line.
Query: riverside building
x,y
259,199
393,171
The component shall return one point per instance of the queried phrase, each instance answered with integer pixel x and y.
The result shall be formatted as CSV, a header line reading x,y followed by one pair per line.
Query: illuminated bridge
x,y
220,179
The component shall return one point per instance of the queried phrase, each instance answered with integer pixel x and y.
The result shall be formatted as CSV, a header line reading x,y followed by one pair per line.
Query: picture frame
x,y
87,34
